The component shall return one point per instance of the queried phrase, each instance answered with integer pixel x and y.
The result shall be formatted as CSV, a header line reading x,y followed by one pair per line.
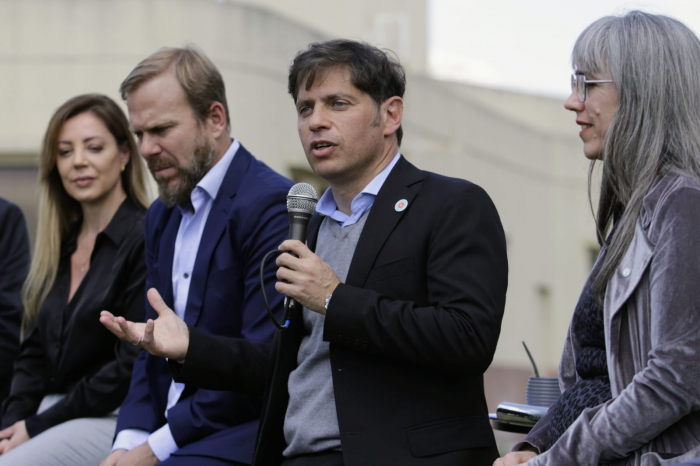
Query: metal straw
x,y
529,355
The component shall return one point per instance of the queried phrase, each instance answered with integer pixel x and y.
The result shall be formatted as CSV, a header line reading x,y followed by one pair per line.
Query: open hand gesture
x,y
167,336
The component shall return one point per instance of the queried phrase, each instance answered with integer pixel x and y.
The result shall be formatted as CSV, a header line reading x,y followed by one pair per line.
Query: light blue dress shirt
x,y
362,202
189,235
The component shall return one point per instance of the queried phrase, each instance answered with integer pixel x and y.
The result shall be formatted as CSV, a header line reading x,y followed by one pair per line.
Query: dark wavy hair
x,y
373,71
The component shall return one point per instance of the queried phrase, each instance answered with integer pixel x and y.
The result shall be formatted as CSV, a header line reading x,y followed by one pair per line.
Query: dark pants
x,y
331,458
198,461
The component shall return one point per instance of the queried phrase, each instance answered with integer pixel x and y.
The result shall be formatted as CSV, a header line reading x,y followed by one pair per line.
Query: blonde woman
x,y
72,374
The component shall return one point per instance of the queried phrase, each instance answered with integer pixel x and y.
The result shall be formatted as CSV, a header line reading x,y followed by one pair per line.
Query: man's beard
x,y
179,194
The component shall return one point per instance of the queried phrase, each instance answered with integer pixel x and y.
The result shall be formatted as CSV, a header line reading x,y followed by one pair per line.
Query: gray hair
x,y
654,62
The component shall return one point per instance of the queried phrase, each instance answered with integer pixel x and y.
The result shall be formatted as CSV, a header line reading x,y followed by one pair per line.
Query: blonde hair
x,y
57,210
197,75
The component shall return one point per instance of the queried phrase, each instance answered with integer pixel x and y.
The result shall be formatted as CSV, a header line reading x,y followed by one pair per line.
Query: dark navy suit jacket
x,y
248,219
14,265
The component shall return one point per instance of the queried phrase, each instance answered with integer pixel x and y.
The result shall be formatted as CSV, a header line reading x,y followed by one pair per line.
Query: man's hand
x,y
13,436
167,336
113,458
515,458
139,456
306,278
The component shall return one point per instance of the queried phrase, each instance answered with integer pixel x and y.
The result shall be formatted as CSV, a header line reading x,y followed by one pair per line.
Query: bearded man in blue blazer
x,y
219,211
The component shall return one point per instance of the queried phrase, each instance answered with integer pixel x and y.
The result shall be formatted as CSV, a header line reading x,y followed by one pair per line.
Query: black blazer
x,y
14,265
411,332
70,352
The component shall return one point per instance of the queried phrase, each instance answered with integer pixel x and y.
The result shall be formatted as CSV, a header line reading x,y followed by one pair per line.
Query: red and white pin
x,y
401,205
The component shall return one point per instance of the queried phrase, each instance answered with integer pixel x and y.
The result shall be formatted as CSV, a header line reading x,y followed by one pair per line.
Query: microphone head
x,y
302,198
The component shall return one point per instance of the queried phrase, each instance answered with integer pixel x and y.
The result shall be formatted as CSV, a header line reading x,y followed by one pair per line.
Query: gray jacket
x,y
652,337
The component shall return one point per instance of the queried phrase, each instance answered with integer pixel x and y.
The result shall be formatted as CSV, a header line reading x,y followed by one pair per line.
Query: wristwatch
x,y
328,301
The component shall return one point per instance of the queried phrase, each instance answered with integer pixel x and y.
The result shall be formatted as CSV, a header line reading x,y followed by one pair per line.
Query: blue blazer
x,y
248,219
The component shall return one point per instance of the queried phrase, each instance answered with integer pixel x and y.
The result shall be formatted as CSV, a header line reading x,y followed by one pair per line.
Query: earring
x,y
123,168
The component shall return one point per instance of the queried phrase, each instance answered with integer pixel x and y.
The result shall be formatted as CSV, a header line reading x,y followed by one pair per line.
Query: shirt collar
x,y
122,220
211,182
115,230
327,205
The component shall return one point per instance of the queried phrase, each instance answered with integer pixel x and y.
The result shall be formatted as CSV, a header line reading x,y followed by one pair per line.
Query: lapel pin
x,y
401,205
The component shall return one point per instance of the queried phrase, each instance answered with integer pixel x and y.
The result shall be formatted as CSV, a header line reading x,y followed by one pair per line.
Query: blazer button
x,y
626,272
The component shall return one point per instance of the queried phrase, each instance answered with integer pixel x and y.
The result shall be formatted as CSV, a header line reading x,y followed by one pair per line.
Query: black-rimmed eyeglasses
x,y
579,83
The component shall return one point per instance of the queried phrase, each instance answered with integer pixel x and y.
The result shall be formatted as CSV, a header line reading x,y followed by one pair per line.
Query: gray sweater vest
x,y
311,422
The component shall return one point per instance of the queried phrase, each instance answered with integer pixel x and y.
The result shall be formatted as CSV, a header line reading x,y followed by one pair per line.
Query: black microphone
x,y
301,204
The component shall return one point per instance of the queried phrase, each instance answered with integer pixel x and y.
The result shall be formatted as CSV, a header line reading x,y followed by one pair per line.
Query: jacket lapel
x,y
166,253
620,287
218,219
628,274
402,184
213,230
312,231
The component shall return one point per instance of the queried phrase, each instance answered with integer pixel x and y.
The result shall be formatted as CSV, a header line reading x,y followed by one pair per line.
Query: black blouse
x,y
70,352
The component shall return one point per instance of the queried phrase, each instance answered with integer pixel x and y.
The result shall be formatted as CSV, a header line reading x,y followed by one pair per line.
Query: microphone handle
x,y
297,229
298,224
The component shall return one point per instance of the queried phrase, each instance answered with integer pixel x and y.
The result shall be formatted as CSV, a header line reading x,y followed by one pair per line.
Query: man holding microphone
x,y
402,283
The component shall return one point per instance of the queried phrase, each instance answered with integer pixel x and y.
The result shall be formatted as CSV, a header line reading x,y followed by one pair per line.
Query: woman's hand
x,y
13,436
515,458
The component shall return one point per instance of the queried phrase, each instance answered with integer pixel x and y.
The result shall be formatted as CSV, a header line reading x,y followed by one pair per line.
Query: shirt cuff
x,y
130,438
162,443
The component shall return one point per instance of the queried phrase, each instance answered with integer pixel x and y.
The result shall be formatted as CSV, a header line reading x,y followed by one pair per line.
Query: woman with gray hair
x,y
631,362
